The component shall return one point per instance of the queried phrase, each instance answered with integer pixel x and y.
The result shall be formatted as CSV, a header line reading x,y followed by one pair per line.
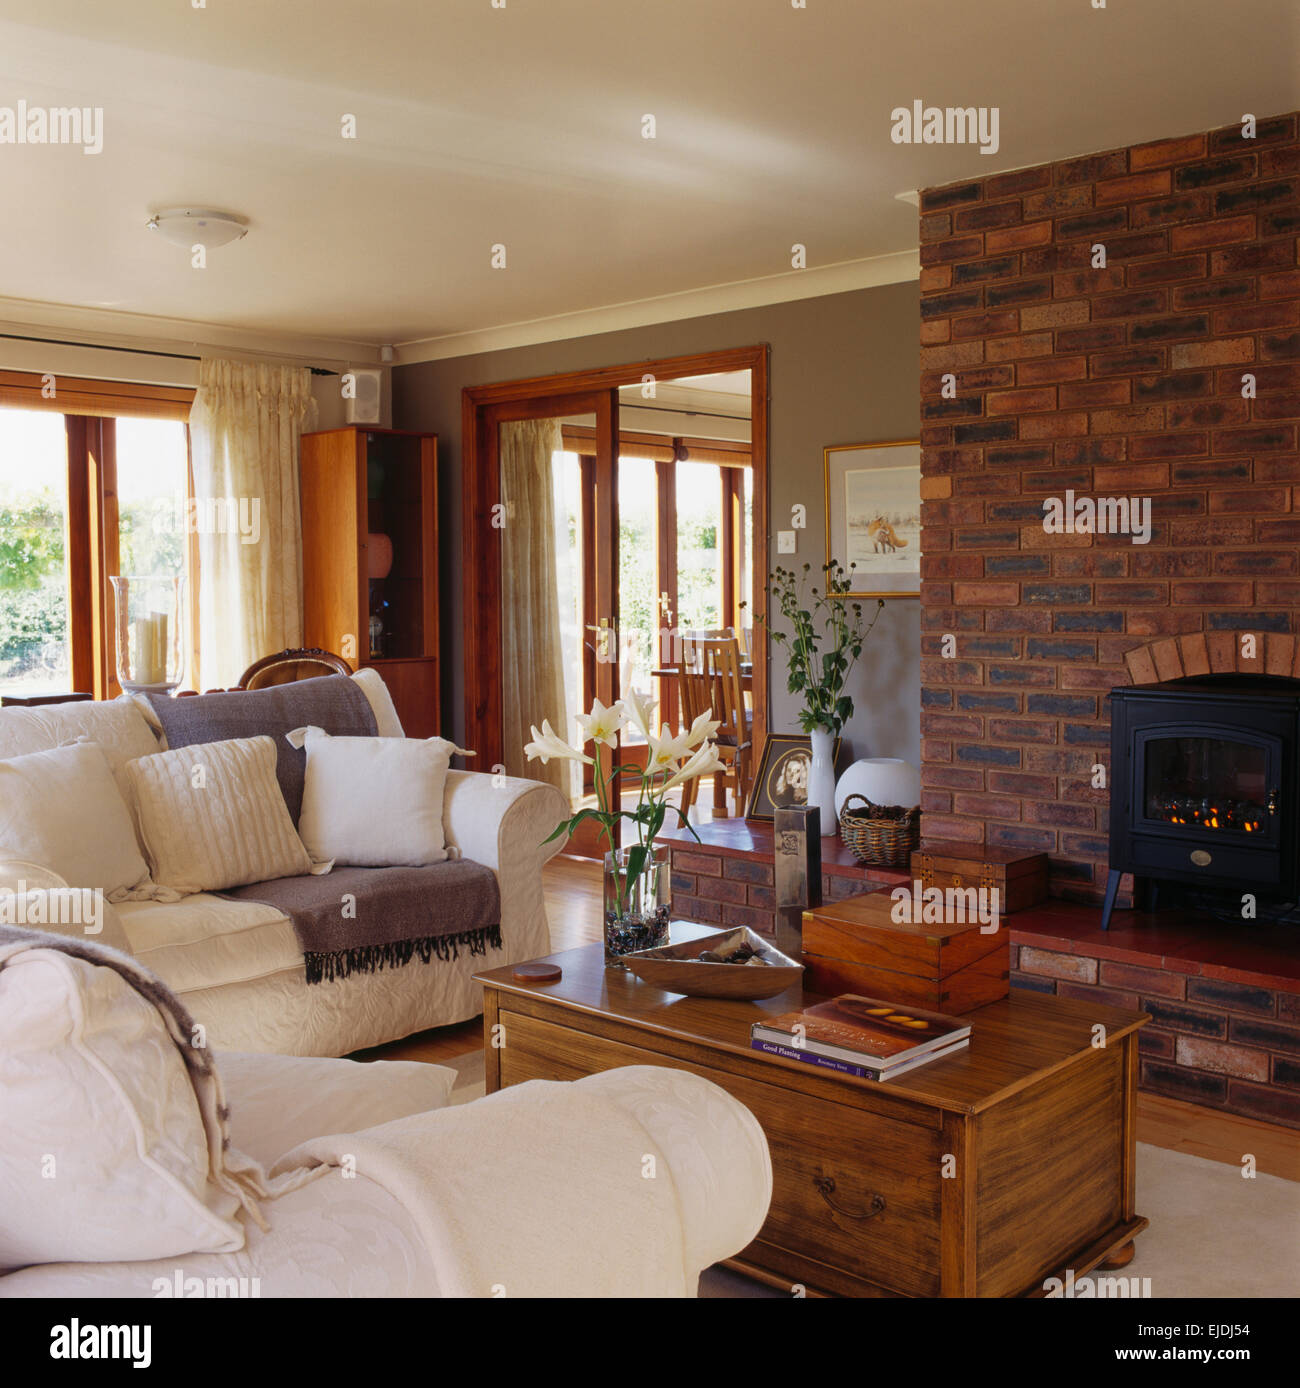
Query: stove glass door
x,y
1214,785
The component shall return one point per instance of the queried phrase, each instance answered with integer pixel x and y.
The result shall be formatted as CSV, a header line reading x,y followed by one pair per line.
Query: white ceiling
x,y
522,126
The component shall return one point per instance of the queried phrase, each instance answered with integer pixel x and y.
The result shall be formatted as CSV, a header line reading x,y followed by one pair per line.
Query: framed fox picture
x,y
873,516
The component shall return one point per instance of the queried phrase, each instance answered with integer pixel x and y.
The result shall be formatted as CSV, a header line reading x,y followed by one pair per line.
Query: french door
x,y
586,404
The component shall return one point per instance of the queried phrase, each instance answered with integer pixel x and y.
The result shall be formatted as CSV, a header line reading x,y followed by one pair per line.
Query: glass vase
x,y
149,622
636,905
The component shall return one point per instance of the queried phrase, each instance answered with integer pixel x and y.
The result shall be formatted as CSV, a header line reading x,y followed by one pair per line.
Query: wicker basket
x,y
880,835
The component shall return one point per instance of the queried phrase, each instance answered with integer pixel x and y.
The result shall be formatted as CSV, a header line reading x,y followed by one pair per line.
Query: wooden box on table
x,y
855,946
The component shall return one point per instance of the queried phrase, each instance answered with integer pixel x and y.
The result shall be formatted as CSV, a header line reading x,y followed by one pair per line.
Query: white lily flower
x,y
663,752
548,743
705,725
602,724
703,760
639,707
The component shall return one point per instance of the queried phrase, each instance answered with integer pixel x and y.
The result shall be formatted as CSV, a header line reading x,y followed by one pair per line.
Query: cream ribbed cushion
x,y
212,816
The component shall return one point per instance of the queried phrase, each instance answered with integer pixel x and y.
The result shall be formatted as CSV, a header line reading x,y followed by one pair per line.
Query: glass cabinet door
x,y
395,510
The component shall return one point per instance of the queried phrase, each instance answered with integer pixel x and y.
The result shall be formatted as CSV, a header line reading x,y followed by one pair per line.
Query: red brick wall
x,y
1117,381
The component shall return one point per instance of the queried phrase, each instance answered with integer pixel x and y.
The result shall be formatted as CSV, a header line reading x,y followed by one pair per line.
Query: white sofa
x,y
357,1179
237,965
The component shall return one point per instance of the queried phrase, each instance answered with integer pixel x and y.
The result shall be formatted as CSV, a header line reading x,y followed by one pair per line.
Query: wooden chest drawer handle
x,y
826,1189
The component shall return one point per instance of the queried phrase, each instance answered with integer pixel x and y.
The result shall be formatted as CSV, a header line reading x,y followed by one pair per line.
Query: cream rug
x,y
1213,1233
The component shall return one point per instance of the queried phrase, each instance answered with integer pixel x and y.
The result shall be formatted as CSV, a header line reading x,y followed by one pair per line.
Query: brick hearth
x,y
1225,1006
1224,1001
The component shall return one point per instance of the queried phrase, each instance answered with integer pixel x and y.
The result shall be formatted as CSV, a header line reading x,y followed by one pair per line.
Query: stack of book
x,y
866,1037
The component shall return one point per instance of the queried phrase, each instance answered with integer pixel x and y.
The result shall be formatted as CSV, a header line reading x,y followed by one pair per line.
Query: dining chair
x,y
708,634
710,679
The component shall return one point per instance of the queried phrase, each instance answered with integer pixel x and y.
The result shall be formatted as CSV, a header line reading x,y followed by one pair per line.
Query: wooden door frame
x,y
481,541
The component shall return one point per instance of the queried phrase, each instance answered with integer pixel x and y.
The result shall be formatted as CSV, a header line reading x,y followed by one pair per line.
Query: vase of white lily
x,y
637,901
636,895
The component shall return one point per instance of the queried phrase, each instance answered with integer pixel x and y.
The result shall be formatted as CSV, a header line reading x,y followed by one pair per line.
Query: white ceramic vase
x,y
821,779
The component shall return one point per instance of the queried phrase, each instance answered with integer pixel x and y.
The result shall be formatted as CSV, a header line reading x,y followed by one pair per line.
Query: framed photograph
x,y
782,776
873,516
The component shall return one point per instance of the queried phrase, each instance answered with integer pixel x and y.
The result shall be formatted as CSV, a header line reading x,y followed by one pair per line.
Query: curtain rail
x,y
135,351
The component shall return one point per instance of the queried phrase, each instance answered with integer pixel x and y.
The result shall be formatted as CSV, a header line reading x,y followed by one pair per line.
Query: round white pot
x,y
883,780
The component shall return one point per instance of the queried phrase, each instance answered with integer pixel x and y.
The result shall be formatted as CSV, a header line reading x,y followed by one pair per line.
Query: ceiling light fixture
x,y
189,226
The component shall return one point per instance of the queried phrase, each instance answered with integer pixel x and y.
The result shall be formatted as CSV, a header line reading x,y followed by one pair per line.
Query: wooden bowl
x,y
677,968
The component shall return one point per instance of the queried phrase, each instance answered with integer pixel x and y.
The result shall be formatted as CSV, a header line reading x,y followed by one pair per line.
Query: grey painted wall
x,y
843,370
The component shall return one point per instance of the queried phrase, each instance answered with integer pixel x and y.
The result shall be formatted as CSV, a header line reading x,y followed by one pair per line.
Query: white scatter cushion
x,y
212,816
374,801
62,809
103,1152
371,683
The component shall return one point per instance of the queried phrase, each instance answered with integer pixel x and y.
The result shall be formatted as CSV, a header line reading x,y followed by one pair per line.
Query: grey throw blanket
x,y
362,920
332,702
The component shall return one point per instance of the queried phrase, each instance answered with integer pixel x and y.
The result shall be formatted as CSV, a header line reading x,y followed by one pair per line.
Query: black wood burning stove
x,y
1204,785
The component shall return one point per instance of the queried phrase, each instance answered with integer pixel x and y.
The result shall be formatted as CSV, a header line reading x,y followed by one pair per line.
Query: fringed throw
x,y
363,920
370,959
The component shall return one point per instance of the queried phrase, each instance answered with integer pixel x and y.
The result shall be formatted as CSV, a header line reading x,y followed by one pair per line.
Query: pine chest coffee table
x,y
981,1174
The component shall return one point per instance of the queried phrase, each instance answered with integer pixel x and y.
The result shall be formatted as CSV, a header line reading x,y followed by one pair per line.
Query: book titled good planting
x,y
869,1033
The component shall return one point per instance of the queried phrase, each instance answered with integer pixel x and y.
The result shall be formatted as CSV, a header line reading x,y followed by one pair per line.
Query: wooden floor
x,y
573,908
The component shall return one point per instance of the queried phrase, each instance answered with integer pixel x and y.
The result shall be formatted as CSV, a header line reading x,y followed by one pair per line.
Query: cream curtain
x,y
244,429
532,669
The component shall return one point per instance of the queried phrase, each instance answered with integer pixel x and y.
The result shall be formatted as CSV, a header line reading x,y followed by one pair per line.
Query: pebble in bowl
x,y
731,964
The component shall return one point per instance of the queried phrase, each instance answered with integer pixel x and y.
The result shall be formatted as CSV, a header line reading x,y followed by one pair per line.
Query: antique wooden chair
x,y
288,666
285,667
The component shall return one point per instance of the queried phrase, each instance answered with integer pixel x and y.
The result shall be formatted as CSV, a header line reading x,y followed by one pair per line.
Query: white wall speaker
x,y
363,392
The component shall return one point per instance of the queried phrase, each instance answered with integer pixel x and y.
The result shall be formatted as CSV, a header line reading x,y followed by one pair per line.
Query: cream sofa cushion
x,y
212,816
62,810
206,941
103,1152
278,1101
374,801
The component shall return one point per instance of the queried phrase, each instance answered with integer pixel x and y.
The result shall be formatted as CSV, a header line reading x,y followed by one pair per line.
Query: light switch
x,y
785,542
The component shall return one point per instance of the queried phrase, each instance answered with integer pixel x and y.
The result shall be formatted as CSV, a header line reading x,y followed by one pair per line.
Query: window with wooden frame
x,y
94,481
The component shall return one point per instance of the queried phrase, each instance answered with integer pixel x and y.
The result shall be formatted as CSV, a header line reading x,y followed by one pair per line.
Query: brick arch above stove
x,y
1213,653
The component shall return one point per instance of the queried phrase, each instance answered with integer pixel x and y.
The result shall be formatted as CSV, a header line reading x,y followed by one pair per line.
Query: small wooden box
x,y
855,946
1021,878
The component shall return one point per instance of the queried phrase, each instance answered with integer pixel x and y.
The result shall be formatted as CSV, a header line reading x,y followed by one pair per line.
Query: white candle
x,y
160,647
142,641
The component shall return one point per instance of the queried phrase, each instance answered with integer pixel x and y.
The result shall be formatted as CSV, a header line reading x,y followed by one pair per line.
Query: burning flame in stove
x,y
1243,816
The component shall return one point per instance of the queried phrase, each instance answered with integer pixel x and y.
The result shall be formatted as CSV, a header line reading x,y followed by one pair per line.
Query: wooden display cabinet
x,y
364,492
